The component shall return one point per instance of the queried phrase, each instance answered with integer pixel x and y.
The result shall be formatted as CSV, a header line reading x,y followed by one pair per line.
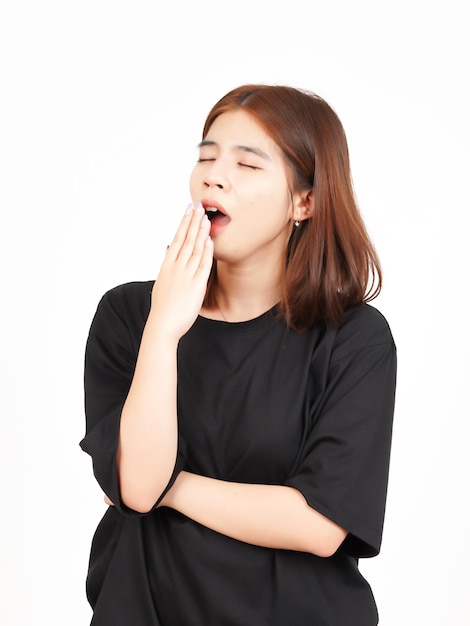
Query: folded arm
x,y
270,516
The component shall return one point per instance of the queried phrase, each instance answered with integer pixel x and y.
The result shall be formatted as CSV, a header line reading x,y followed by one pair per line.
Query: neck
x,y
244,293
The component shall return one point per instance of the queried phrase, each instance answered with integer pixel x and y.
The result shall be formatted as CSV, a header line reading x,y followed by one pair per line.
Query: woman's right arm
x,y
148,434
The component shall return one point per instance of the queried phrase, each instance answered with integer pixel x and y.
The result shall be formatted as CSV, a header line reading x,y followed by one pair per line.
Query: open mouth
x,y
216,216
212,212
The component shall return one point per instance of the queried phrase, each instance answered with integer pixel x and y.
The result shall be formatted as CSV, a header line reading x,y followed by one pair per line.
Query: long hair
x,y
331,265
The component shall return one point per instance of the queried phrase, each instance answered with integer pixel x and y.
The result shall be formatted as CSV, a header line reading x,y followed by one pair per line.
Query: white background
x,y
101,107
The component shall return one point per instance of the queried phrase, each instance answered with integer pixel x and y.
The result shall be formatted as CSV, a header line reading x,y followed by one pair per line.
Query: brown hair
x,y
331,264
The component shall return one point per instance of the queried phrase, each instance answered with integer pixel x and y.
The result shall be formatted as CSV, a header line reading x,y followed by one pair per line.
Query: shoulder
x,y
364,327
131,292
132,295
127,305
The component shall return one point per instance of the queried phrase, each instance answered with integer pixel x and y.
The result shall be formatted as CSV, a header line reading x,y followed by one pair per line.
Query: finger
x,y
206,260
199,244
180,235
187,249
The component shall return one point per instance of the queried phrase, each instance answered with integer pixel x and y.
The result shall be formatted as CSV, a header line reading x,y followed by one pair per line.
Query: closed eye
x,y
251,167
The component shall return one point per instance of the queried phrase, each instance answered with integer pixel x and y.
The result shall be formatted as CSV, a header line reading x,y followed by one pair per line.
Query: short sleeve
x,y
110,358
344,463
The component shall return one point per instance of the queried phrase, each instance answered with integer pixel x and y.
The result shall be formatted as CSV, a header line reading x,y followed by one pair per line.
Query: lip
x,y
206,203
221,220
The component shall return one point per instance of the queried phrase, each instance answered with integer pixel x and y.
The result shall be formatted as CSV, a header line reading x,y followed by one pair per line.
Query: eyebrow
x,y
250,149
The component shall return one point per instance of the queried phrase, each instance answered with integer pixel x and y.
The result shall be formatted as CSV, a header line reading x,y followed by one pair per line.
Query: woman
x,y
239,409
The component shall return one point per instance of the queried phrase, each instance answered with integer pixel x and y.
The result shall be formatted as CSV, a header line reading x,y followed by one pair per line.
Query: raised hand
x,y
179,290
148,429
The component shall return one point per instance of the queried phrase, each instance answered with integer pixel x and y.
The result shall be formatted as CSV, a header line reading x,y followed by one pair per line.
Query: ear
x,y
304,205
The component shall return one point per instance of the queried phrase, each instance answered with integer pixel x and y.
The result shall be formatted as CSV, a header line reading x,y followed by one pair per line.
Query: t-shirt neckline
x,y
257,323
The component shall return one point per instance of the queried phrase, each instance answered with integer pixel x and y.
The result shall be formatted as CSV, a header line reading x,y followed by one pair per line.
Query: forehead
x,y
238,128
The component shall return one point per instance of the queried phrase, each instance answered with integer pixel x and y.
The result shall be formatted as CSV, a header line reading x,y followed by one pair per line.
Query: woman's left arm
x,y
342,474
270,516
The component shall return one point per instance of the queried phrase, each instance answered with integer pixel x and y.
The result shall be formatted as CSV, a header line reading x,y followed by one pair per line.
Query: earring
x,y
296,222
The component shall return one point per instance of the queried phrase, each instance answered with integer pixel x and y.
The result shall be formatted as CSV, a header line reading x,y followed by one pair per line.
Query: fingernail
x,y
199,208
189,208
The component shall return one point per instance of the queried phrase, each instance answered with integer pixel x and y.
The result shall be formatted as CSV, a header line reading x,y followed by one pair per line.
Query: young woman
x,y
239,408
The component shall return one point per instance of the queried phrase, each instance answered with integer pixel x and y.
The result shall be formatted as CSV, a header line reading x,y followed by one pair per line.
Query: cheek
x,y
274,201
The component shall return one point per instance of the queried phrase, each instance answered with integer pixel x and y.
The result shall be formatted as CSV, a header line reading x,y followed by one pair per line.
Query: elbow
x,y
137,491
325,551
140,503
139,497
318,534
141,507
326,546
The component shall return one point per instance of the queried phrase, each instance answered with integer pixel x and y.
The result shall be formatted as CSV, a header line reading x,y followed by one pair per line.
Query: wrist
x,y
160,333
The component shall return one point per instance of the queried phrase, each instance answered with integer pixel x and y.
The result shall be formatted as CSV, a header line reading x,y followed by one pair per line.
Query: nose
x,y
209,183
215,177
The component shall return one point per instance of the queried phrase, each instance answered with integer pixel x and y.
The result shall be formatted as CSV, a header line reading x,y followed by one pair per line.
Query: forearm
x,y
148,432
148,435
265,515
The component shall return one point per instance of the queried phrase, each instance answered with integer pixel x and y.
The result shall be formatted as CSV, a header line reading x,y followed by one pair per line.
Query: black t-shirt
x,y
257,403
